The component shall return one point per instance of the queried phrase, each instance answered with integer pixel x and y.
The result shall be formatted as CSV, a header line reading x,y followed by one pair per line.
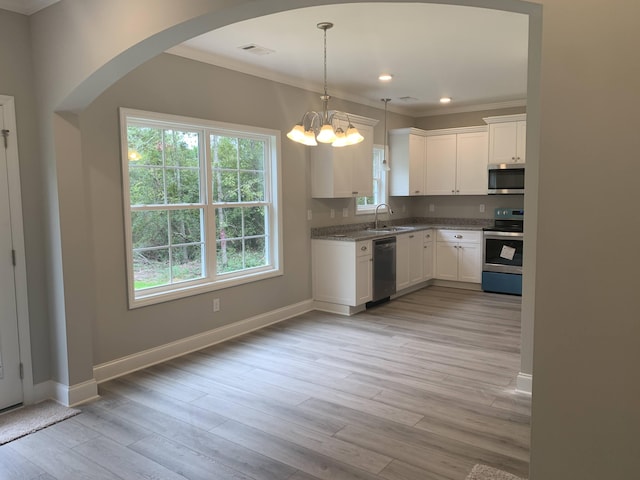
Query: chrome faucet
x,y
375,219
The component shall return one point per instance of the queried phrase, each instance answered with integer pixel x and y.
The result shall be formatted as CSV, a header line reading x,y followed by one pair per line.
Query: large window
x,y
202,205
367,205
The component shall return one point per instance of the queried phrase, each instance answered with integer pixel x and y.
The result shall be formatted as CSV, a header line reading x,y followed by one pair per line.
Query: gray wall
x,y
16,80
171,84
464,206
466,119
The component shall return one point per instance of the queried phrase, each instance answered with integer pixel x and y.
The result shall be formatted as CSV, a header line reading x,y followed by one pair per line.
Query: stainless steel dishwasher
x,y
384,268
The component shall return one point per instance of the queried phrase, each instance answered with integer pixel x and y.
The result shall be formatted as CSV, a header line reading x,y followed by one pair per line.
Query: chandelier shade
x,y
322,127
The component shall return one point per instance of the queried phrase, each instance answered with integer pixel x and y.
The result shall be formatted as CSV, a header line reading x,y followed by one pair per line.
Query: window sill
x,y
142,300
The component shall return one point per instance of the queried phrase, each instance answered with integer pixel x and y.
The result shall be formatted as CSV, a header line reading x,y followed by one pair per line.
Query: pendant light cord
x,y
384,160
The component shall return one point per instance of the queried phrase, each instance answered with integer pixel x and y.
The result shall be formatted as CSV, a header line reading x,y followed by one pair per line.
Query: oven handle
x,y
498,235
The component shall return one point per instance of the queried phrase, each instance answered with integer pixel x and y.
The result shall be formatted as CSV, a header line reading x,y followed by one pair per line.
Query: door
x,y
10,382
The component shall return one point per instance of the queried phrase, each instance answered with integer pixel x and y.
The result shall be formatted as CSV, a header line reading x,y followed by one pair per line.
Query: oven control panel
x,y
509,213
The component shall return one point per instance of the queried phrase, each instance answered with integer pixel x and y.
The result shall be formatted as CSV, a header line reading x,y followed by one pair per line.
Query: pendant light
x,y
385,164
318,127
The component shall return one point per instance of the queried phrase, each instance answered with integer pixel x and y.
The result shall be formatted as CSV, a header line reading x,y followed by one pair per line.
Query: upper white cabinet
x,y
408,152
456,162
507,138
340,172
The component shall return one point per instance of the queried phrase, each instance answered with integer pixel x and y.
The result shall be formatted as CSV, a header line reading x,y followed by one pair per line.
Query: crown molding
x,y
25,7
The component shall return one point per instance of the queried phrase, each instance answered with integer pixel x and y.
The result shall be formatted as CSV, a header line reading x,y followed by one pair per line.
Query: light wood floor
x,y
420,388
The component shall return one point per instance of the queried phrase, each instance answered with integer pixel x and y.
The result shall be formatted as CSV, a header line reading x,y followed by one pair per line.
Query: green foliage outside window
x,y
168,201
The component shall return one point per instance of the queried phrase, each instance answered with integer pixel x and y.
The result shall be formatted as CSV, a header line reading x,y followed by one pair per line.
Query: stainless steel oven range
x,y
502,252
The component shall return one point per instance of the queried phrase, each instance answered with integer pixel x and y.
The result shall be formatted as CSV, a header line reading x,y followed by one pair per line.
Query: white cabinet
x,y
342,271
340,172
459,255
507,138
441,165
409,259
407,155
457,162
428,253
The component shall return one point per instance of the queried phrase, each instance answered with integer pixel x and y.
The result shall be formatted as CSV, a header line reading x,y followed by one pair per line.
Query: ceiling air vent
x,y
408,99
256,49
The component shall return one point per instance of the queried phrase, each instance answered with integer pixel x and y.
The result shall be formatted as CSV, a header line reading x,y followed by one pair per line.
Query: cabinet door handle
x,y
411,236
363,248
354,193
457,236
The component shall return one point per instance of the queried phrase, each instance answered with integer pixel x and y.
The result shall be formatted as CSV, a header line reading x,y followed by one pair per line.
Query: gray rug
x,y
485,472
23,421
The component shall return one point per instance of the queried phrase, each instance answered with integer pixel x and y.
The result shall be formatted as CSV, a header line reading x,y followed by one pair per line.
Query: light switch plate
x,y
345,212
333,213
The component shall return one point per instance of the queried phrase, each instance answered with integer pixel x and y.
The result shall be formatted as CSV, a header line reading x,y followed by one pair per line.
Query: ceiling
x,y
476,56
26,7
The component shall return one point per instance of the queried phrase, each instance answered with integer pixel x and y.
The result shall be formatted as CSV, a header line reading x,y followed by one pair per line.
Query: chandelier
x,y
319,127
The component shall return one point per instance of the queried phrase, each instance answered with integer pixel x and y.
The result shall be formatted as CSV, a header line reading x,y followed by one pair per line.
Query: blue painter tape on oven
x,y
502,283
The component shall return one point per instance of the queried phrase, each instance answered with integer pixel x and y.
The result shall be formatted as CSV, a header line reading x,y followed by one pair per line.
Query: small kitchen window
x,y
367,205
202,205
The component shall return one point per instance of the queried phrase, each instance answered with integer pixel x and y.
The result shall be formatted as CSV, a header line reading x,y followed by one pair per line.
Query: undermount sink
x,y
388,229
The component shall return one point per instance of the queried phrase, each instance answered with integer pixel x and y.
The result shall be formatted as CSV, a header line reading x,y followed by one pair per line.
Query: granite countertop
x,y
365,231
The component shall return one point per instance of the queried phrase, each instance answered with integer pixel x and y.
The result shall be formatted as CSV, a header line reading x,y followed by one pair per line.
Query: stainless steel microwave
x,y
506,179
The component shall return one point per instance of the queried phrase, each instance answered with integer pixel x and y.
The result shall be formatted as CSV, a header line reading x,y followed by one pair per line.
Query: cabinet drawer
x,y
363,248
456,236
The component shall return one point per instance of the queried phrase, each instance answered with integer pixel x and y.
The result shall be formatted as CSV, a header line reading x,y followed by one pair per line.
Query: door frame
x,y
17,237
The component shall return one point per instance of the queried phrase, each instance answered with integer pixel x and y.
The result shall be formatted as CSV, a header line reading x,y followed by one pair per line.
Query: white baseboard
x,y
66,395
524,383
122,366
43,391
337,308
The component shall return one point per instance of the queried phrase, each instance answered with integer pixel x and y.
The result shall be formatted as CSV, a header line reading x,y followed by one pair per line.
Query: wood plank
x,y
228,453
309,438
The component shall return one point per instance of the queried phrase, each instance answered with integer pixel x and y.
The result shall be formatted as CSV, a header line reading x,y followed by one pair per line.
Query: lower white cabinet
x,y
428,254
414,258
342,271
459,255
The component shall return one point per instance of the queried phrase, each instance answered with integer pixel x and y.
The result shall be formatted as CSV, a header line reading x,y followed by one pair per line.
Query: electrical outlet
x,y
333,213
482,208
345,212
216,304
404,208
432,207
309,214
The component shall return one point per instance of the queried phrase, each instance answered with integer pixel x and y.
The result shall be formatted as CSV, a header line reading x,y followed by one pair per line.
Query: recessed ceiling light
x,y
445,100
385,77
